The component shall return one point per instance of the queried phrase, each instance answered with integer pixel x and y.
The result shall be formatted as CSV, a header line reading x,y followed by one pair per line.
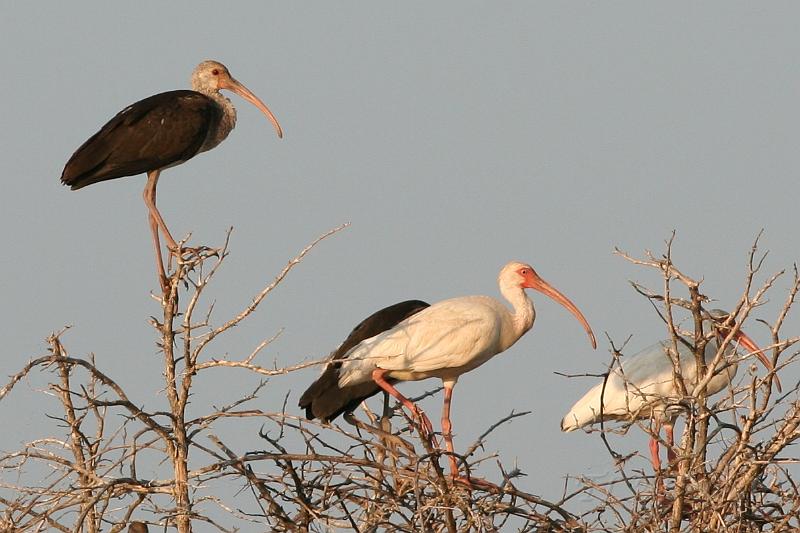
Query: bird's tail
x,y
82,170
326,400
586,411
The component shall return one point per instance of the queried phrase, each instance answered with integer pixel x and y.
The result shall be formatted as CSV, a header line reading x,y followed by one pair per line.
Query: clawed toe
x,y
426,428
473,483
183,251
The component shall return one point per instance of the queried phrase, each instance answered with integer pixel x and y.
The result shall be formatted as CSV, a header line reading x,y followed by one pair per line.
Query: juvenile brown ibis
x,y
645,388
138,527
159,132
324,399
450,338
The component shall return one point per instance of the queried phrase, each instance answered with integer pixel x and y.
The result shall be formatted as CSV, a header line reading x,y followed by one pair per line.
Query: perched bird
x,y
644,387
450,338
324,399
159,132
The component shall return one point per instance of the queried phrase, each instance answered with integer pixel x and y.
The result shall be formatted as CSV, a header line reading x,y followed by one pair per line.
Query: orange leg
x,y
425,423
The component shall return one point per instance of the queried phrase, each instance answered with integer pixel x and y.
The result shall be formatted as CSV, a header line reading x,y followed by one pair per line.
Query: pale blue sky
x,y
453,136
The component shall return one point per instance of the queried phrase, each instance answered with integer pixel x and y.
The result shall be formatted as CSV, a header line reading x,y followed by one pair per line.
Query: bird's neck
x,y
226,123
523,316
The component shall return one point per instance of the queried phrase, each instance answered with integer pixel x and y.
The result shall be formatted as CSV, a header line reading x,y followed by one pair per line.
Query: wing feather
x,y
449,334
154,133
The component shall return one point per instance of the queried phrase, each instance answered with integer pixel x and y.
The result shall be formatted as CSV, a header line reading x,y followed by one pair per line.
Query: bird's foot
x,y
666,502
475,483
426,428
661,496
181,251
672,464
165,284
671,470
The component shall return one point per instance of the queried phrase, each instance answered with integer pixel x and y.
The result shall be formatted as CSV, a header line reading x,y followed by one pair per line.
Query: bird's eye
x,y
524,271
215,72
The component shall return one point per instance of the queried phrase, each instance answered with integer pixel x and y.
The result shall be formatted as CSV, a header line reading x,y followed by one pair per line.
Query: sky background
x,y
453,136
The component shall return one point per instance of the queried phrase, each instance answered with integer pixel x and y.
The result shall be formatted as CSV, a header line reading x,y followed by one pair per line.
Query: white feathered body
x,y
444,340
645,386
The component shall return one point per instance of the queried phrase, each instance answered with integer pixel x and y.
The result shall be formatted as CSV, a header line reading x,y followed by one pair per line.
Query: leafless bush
x,y
732,471
372,478
87,475
109,461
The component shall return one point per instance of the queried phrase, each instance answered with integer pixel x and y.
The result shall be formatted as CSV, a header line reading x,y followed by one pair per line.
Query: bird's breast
x,y
227,121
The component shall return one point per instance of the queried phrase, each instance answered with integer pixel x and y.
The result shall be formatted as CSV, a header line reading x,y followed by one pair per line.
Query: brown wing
x,y
324,399
153,133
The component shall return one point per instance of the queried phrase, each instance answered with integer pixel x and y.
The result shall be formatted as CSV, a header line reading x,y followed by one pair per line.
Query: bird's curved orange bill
x,y
235,86
545,288
753,349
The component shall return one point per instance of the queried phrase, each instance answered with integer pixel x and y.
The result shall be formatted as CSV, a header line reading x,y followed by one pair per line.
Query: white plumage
x,y
450,338
445,340
644,387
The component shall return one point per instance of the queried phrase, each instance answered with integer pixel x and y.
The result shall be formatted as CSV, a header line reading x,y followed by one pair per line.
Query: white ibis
x,y
158,132
450,338
645,387
324,399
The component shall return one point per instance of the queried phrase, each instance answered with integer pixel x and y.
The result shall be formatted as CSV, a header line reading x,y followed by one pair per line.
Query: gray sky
x,y
453,136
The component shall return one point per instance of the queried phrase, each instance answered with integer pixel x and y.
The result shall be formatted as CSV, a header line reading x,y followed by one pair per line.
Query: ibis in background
x,y
324,399
447,339
644,387
158,132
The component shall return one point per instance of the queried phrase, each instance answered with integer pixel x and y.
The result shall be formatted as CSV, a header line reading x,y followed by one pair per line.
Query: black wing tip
x,y
308,407
324,399
73,185
77,179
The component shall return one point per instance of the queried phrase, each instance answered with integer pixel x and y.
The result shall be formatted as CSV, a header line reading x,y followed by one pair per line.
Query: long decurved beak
x,y
753,349
538,284
232,85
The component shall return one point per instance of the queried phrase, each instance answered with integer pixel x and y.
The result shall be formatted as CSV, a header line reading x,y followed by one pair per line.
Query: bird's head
x,y
521,275
723,323
210,77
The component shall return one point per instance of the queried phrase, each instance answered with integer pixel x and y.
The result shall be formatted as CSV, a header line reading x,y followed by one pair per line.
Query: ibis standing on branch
x,y
447,339
324,399
644,387
159,132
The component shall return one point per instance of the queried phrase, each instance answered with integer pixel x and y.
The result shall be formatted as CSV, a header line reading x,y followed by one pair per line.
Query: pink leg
x,y
654,458
668,429
447,427
162,276
150,200
425,423
447,433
